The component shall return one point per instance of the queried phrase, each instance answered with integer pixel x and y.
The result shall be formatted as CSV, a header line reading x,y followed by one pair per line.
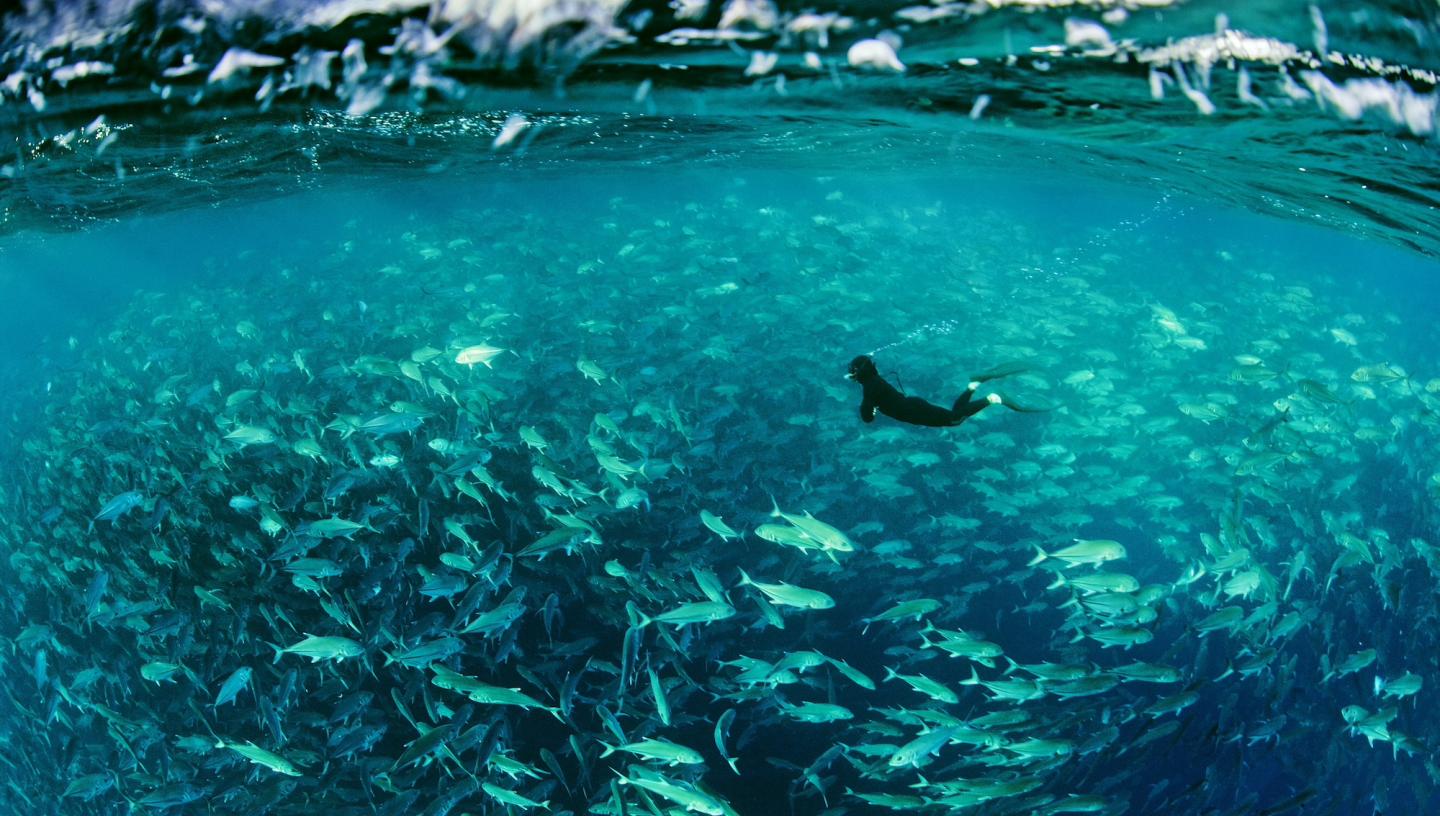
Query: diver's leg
x,y
966,407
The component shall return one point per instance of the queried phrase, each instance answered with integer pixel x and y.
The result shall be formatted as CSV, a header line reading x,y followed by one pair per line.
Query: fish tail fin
x,y
1040,555
120,790
973,679
609,749
890,674
775,508
1058,582
279,652
745,578
1013,666
733,766
638,619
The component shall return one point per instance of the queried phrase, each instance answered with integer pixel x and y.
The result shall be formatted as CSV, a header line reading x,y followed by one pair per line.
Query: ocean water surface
x,y
442,408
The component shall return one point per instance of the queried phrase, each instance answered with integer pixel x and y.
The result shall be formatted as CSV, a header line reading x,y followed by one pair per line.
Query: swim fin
x,y
1021,407
1002,370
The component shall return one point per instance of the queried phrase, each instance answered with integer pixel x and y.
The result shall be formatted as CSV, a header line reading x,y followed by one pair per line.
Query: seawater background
x,y
63,282
969,236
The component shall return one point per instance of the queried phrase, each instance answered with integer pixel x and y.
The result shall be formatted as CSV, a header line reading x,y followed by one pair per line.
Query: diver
x,y
881,396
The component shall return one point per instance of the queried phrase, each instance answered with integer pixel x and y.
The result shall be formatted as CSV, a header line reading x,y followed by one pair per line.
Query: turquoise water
x,y
567,415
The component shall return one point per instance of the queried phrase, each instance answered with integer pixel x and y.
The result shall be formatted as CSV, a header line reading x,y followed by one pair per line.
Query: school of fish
x,y
497,513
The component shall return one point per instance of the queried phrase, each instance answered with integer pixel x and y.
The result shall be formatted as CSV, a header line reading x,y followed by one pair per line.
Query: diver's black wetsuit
x,y
887,399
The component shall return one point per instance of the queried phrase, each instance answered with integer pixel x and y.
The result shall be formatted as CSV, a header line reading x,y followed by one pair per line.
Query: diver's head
x,y
862,368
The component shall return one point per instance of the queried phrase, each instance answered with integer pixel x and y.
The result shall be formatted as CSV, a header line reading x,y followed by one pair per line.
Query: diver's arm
x,y
867,410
